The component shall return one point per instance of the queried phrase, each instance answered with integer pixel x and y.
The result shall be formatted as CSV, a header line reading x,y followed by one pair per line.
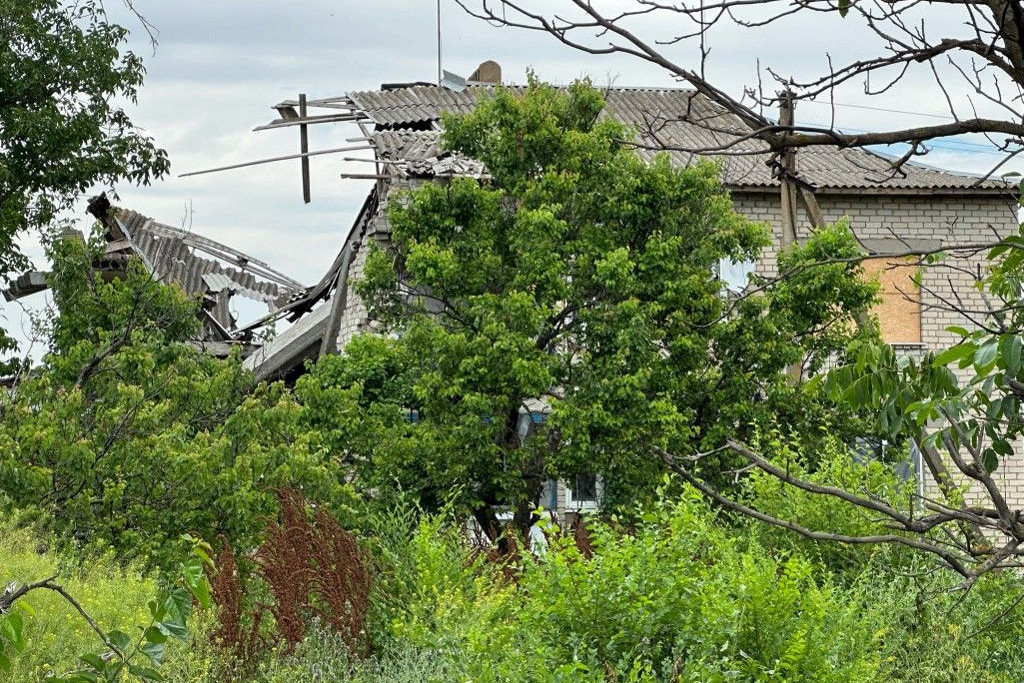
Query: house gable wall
x,y
919,219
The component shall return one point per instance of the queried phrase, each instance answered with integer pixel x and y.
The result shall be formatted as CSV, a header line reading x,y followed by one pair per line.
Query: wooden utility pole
x,y
790,190
788,161
788,195
304,148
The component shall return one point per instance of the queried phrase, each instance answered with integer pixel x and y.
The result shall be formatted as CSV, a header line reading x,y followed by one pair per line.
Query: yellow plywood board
x,y
899,310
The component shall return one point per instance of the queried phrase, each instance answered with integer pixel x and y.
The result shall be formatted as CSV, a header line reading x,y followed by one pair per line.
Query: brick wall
x,y
938,220
378,232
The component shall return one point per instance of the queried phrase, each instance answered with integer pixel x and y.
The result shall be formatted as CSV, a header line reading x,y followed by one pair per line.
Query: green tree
x,y
959,411
577,282
127,435
62,74
962,408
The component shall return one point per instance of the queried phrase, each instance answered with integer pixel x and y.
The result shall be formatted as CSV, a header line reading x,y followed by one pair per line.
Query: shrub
x,y
831,463
678,598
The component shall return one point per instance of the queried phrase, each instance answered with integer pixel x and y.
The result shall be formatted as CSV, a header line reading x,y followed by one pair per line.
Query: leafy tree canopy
x,y
127,435
62,74
576,282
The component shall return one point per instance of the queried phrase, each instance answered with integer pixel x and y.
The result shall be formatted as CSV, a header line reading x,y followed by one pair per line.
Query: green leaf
x,y
1010,350
204,556
156,610
94,660
201,590
145,673
5,662
986,356
11,628
154,635
954,353
121,640
154,652
113,670
990,460
174,630
25,607
177,603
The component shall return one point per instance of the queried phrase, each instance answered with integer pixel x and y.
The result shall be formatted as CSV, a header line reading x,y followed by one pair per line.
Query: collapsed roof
x,y
199,265
205,269
404,124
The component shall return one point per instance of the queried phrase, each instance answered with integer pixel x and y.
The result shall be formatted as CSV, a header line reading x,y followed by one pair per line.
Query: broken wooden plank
x,y
286,157
375,161
318,102
326,118
364,176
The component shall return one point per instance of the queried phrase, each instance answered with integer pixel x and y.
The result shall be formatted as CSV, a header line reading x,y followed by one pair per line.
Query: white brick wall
x,y
947,219
378,231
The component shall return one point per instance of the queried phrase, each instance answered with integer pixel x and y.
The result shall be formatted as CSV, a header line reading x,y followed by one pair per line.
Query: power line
x,y
890,111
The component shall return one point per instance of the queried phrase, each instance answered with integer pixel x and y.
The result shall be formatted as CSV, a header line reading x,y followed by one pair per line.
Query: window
x,y
868,448
899,308
528,422
585,488
906,465
584,492
734,274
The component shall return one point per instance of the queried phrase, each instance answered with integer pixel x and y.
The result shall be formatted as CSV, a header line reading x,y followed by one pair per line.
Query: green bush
x,y
678,598
938,635
684,597
830,464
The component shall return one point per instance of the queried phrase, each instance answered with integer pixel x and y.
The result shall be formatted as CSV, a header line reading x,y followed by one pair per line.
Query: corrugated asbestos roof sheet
x,y
663,118
418,153
200,265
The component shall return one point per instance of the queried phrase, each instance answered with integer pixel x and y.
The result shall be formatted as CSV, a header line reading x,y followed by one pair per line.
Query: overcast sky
x,y
220,64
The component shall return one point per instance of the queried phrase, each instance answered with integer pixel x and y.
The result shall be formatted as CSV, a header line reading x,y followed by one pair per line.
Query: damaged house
x,y
914,208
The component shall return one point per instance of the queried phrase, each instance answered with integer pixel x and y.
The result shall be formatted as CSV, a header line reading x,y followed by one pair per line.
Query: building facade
x,y
912,209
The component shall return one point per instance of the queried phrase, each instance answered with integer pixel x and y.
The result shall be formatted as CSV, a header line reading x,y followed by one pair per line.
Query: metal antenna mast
x,y
439,42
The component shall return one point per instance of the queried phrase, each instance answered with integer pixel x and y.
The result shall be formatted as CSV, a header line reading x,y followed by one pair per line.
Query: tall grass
x,y
56,635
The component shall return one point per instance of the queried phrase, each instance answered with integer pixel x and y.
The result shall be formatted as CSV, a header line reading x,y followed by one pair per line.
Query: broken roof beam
x,y
225,253
310,120
29,283
325,102
286,157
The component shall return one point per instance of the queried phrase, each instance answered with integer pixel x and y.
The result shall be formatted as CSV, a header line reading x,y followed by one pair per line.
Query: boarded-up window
x,y
899,311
